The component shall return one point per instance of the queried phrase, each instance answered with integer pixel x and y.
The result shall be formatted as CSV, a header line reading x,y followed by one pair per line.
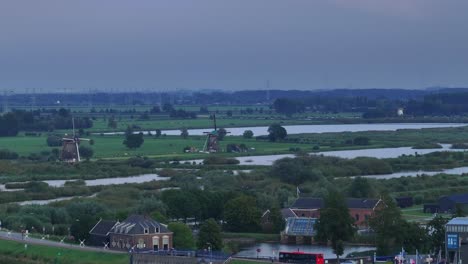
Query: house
x,y
451,203
360,209
137,231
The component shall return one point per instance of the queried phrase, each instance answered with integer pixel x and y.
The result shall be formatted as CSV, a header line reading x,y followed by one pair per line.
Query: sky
x,y
232,45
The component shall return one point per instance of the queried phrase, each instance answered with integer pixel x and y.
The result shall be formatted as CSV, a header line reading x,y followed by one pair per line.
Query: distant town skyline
x,y
167,45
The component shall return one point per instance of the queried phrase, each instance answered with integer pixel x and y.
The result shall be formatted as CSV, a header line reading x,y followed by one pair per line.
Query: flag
x,y
298,192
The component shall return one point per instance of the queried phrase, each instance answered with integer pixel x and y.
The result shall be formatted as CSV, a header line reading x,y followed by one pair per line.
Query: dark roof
x,y
458,198
308,203
286,212
361,203
318,203
103,227
137,224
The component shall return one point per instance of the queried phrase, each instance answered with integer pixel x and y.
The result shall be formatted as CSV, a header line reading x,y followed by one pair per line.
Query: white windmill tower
x,y
71,147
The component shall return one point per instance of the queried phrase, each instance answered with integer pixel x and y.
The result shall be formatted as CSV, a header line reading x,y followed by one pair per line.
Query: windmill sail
x,y
71,147
212,141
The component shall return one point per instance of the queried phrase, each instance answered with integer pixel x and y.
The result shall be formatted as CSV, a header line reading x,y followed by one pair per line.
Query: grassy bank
x,y
15,252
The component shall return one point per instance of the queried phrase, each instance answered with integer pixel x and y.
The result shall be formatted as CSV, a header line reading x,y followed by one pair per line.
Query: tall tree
x,y
242,214
184,133
248,134
183,238
221,133
86,152
277,220
210,235
360,188
9,125
436,230
276,132
133,141
287,106
335,224
387,223
414,237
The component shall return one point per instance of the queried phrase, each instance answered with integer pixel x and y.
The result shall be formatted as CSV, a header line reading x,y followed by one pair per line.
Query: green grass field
x,y
416,214
172,146
15,251
163,147
164,122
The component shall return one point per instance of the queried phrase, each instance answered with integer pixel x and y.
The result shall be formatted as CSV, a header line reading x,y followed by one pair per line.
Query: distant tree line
x,y
20,120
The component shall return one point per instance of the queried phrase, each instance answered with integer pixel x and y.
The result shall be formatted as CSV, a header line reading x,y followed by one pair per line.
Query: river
x,y
381,153
301,129
104,181
454,171
270,250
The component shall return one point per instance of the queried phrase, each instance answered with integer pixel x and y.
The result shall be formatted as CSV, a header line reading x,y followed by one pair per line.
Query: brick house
x,y
360,209
140,232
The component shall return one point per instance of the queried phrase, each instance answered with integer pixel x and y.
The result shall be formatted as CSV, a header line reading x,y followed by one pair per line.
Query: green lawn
x,y
168,146
43,254
172,146
164,123
416,214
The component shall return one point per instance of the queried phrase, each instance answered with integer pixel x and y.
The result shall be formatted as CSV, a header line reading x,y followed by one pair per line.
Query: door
x,y
156,243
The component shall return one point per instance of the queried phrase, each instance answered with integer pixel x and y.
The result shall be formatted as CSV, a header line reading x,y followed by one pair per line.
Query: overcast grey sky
x,y
237,44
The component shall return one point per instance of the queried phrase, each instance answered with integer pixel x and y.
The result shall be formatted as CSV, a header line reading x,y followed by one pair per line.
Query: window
x,y
146,230
165,242
157,229
357,217
141,243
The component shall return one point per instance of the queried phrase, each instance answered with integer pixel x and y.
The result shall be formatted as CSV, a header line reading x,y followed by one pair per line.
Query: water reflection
x,y
271,250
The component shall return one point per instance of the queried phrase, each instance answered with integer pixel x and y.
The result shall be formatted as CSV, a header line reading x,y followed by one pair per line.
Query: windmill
x,y
71,147
211,144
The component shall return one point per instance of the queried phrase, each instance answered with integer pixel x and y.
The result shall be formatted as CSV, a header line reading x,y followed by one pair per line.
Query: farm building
x,y
448,204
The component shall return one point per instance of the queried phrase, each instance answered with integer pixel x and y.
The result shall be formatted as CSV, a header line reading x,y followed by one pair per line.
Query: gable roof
x,y
137,224
103,227
287,212
458,221
458,198
361,203
318,203
308,203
